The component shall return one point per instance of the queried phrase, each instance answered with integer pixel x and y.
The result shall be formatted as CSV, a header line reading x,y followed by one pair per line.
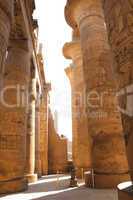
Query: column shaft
x,y
104,122
14,118
37,139
82,158
44,133
81,137
119,20
32,177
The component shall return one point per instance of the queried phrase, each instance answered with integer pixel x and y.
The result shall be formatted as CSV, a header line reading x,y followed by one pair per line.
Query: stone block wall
x,y
57,152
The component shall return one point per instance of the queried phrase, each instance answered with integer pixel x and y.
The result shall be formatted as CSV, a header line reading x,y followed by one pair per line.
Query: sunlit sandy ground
x,y
48,188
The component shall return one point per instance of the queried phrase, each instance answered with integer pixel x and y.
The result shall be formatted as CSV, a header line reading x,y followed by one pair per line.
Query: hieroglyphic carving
x,y
121,56
119,20
10,142
120,32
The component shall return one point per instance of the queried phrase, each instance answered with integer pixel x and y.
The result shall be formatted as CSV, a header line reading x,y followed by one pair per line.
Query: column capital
x,y
72,50
19,60
77,10
6,15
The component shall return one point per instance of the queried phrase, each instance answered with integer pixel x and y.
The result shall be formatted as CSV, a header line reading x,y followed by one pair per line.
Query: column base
x,y
104,181
13,185
31,178
109,181
125,191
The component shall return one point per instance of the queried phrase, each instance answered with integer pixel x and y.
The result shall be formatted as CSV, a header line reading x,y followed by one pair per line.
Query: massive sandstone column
x,y
6,13
30,140
104,123
37,135
119,20
69,72
81,138
13,117
44,130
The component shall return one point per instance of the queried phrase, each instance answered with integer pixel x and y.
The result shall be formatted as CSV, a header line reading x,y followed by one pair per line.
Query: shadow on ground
x,y
51,188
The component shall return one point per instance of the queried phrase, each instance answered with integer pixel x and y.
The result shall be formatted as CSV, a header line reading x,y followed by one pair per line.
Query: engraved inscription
x,y
10,142
119,21
123,55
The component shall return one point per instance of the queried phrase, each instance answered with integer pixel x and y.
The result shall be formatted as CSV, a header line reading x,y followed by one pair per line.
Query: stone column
x,y
31,176
13,118
69,72
37,137
44,130
119,20
104,122
81,137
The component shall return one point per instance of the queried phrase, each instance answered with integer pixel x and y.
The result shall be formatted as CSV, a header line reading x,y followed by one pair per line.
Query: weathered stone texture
x,y
13,118
119,20
57,153
44,133
103,117
6,16
43,111
81,139
30,139
37,139
21,120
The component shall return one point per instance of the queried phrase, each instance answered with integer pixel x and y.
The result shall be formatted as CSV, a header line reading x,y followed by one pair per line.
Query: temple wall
x,y
57,153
